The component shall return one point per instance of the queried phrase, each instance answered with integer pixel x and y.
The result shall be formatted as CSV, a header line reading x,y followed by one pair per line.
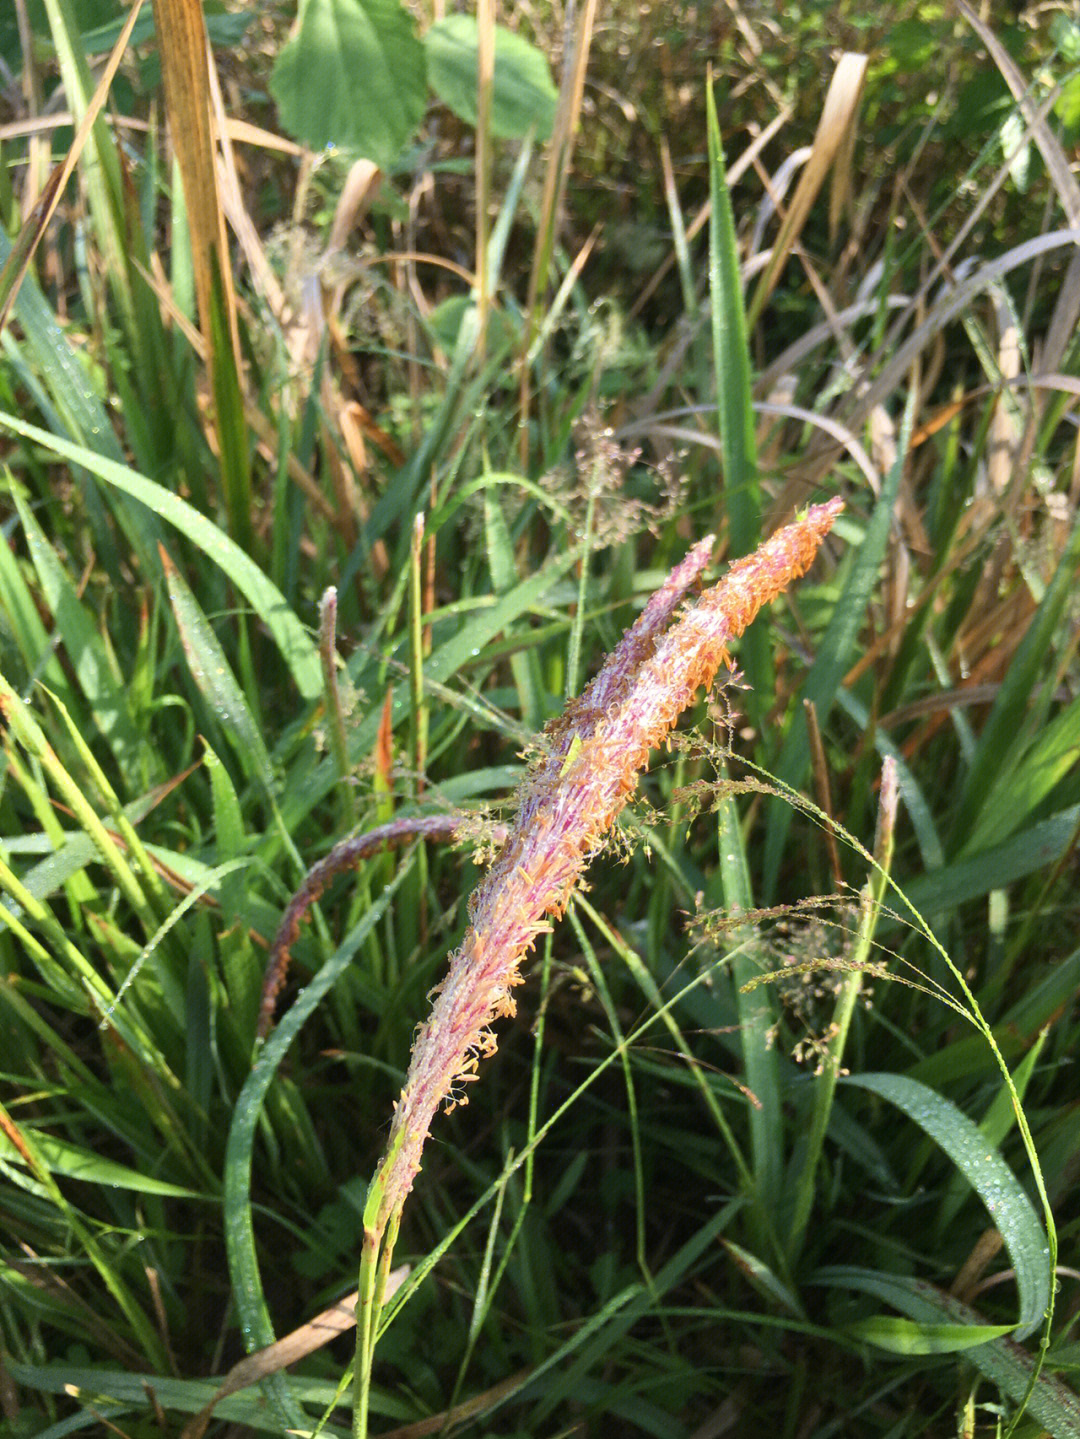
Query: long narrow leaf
x,y
1009,1207
295,644
255,1321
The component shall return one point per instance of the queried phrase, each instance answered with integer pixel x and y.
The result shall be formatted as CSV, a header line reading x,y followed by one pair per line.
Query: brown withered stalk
x,y
567,805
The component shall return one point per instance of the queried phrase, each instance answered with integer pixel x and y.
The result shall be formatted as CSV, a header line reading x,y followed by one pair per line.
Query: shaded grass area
x,y
677,1199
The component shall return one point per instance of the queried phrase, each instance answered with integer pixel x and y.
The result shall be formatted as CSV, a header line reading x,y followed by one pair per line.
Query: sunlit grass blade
x,y
32,738
835,131
105,1263
296,646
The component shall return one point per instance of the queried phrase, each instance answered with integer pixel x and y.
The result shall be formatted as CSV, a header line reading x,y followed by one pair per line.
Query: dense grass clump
x,y
331,474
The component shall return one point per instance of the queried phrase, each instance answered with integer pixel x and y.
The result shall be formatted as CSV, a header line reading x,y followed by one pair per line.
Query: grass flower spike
x,y
567,805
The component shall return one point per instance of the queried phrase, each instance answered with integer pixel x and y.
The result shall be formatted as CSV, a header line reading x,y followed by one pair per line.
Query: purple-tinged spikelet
x,y
567,804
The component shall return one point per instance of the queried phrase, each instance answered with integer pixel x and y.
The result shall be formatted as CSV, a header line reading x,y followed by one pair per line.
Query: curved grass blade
x,y
988,1174
1003,1361
254,1316
908,1336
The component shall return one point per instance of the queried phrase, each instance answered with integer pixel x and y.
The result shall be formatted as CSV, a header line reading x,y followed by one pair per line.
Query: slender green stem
x,y
335,709
869,909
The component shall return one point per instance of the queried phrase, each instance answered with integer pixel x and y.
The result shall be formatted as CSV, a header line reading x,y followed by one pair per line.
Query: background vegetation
x,y
487,362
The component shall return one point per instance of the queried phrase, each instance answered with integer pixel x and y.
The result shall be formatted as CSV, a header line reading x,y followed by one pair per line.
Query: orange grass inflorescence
x,y
567,805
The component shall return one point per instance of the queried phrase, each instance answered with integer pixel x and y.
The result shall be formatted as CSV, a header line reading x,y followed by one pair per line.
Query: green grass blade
x,y
1002,1361
296,646
1022,783
103,1261
911,1337
82,642
1010,1209
74,1161
232,427
731,354
1006,718
31,737
24,626
804,1167
253,1314
501,563
734,403
216,682
757,1018
1026,853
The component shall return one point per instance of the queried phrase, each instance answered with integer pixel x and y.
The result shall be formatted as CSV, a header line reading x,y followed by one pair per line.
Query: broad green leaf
x,y
983,1167
353,77
265,598
524,94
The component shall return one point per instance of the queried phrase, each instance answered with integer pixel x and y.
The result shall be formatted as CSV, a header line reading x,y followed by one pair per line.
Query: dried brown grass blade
x,y
1067,309
560,152
831,140
30,233
185,64
338,1319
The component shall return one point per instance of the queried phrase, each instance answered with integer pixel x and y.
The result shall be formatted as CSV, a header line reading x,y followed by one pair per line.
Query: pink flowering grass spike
x,y
567,805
